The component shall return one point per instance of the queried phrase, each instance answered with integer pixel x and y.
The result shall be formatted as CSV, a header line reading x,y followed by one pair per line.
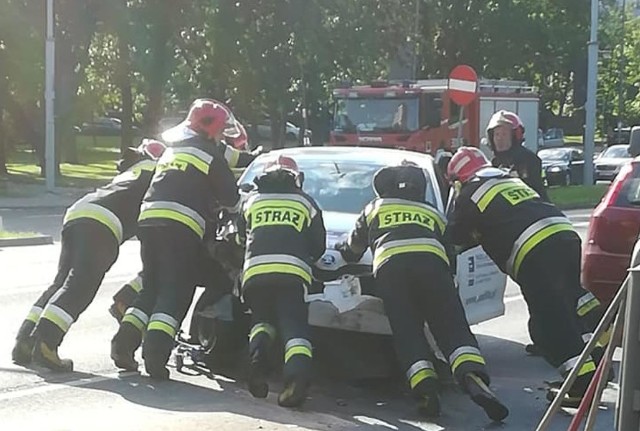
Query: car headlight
x,y
555,169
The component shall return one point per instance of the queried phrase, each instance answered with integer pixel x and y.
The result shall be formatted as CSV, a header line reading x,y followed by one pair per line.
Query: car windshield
x,y
616,152
376,115
339,186
557,155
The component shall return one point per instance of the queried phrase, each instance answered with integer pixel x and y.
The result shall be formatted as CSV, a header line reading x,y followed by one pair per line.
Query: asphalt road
x,y
97,397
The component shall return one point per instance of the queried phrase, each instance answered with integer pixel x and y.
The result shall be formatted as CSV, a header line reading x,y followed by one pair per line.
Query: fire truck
x,y
419,115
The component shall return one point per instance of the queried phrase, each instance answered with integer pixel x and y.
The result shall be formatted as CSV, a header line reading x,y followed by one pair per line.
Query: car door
x,y
481,284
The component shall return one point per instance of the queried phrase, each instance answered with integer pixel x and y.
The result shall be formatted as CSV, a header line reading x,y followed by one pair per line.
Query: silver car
x,y
608,164
340,180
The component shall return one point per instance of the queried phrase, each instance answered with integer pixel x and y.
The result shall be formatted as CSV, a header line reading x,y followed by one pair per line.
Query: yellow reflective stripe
x,y
278,203
583,310
586,368
383,205
281,268
421,375
58,316
431,215
135,321
486,199
98,213
157,325
232,156
297,350
286,197
136,284
194,161
173,215
262,327
380,257
467,357
34,314
536,239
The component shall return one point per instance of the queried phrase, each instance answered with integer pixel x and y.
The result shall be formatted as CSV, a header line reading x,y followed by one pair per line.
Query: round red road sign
x,y
463,84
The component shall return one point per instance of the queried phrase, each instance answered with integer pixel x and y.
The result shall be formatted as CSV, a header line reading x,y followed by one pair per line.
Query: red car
x,y
613,230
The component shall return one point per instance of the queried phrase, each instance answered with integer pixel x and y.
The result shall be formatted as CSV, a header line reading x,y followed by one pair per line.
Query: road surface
x,y
97,397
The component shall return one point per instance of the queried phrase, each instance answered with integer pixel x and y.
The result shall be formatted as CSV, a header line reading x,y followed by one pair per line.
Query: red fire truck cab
x,y
419,115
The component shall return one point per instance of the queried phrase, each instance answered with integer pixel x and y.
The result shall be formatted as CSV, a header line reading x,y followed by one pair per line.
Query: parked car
x,y
104,126
619,136
563,166
553,138
292,132
613,230
610,161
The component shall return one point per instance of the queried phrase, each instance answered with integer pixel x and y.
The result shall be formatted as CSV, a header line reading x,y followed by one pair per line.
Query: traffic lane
x,y
136,402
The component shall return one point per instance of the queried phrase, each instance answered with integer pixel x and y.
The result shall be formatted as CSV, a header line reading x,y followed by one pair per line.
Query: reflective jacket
x,y
507,217
192,179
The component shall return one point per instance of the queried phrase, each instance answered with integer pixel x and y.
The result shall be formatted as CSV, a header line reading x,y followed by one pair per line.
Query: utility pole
x,y
621,74
416,25
49,97
590,107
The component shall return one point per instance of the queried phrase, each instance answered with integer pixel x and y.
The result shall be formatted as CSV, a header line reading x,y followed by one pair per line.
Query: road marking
x,y
50,387
581,224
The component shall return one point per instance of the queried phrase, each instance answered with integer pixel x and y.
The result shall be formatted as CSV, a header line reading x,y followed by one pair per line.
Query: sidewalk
x,y
26,196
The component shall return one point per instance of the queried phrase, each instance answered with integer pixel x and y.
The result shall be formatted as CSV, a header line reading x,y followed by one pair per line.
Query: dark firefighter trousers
x,y
560,310
88,250
418,287
278,308
169,259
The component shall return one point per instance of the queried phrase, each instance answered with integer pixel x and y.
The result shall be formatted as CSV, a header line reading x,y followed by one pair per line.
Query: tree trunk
x,y
124,80
3,150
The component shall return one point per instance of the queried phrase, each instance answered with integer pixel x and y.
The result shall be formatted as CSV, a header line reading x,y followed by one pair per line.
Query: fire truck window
x,y
376,114
432,113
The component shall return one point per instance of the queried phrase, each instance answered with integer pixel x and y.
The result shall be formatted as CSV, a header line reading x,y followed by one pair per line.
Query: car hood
x,y
338,225
612,161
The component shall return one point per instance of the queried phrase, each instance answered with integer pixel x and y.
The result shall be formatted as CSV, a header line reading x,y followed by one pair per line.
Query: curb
x,y
32,240
34,207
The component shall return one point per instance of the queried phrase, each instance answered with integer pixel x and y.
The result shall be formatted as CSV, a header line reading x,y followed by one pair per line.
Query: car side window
x,y
577,156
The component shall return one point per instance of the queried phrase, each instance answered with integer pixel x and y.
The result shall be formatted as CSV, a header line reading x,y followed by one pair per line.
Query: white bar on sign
x,y
460,85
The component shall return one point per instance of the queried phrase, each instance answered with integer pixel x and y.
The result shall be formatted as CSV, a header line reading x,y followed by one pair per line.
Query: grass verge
x,y
5,234
97,164
577,196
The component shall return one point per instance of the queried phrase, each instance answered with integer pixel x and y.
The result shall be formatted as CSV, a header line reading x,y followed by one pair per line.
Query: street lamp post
x,y
49,97
621,74
590,107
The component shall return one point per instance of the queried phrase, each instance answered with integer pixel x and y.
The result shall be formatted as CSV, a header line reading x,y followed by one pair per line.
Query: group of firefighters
x,y
169,194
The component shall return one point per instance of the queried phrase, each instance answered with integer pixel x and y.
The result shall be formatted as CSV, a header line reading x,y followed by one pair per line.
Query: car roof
x,y
385,156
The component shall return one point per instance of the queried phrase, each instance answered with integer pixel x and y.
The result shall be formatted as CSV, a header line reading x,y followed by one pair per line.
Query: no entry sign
x,y
463,85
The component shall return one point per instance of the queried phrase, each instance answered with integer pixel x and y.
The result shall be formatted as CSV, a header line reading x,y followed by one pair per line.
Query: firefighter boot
x,y
47,356
426,392
21,353
484,397
295,392
123,347
117,310
258,373
573,398
156,351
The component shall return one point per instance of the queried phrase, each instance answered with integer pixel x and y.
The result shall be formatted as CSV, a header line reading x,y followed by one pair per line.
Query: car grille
x,y
606,167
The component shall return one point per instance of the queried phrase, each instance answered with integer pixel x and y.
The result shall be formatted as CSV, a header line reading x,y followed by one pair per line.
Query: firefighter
x,y
505,134
191,177
285,235
412,274
93,229
533,242
234,147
